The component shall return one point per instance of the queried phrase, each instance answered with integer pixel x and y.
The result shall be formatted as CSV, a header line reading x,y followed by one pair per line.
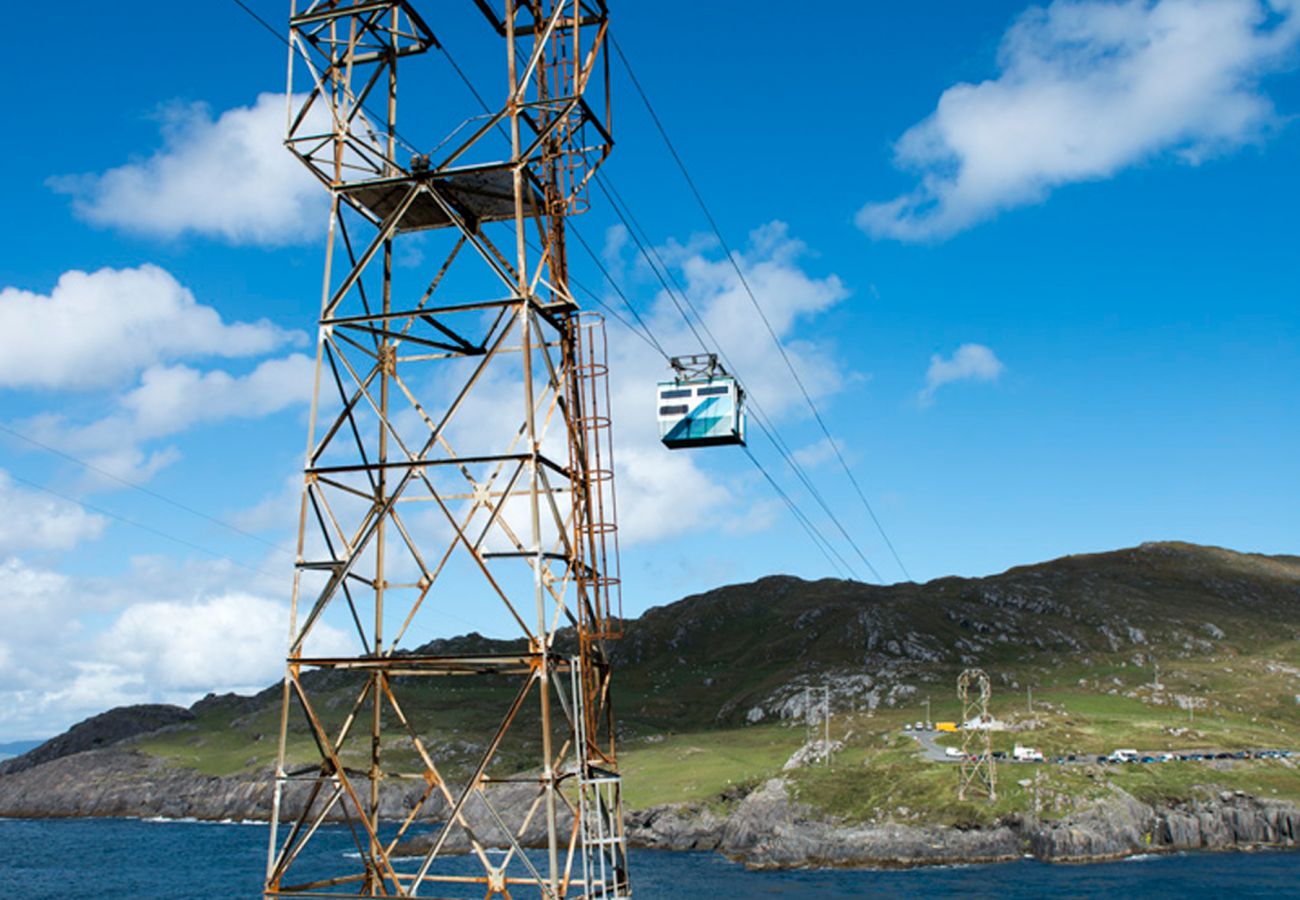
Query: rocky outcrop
x,y
769,830
764,829
125,782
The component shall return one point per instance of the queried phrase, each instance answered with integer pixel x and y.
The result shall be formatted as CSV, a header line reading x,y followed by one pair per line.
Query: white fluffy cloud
x,y
96,328
204,627
228,177
1085,89
970,362
35,521
235,640
170,399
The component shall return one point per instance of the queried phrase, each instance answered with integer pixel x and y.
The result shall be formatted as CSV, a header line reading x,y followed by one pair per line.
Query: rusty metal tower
x,y
459,460
977,774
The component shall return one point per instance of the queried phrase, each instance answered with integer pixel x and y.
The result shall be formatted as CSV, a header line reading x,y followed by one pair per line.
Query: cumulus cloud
x,y
227,177
35,521
235,640
1085,89
73,646
96,328
170,399
970,362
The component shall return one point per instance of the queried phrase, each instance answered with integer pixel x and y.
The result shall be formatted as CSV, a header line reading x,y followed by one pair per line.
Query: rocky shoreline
x,y
764,829
769,830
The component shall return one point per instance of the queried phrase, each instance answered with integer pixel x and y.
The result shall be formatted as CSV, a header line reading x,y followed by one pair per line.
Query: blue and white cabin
x,y
704,411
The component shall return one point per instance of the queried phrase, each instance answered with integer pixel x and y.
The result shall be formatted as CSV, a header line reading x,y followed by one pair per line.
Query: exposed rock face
x,y
126,782
768,830
765,829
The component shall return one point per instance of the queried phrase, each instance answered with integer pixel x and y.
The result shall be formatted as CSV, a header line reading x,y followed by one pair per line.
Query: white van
x,y
1026,754
1124,756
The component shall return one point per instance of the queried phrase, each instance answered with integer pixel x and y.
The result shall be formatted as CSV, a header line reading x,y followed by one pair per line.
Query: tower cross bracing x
x,y
459,460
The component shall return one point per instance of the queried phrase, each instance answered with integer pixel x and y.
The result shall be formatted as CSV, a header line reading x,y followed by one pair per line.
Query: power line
x,y
802,519
681,165
140,525
141,488
646,334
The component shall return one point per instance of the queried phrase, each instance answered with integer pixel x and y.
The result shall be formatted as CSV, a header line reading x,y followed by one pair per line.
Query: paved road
x,y
929,749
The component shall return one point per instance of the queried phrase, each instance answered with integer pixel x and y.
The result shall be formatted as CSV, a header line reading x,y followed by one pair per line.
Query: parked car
x,y
952,752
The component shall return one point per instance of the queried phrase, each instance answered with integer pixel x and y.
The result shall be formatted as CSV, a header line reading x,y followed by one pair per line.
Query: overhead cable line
x,y
136,486
645,333
681,165
818,539
648,336
140,525
673,288
802,519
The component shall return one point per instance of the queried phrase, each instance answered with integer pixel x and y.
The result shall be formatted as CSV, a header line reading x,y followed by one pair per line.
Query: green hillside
x,y
711,688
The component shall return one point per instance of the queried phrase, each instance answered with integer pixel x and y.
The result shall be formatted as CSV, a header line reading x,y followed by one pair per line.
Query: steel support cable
x,y
136,486
814,534
632,227
674,288
713,224
648,335
808,526
81,504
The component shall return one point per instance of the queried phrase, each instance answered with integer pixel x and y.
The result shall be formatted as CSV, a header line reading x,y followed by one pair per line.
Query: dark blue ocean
x,y
112,858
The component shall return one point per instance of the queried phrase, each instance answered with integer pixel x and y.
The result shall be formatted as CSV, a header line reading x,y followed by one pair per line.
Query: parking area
x,y
932,751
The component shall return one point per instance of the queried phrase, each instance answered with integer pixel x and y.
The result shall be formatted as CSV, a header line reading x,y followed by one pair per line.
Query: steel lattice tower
x,y
459,458
977,773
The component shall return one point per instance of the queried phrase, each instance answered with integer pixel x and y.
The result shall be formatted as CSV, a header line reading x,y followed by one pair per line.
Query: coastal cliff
x,y
769,830
766,828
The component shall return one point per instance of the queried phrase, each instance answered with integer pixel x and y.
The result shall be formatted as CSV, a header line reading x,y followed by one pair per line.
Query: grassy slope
x,y
689,672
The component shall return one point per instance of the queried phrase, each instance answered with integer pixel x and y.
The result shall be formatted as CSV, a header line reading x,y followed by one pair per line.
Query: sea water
x,y
72,859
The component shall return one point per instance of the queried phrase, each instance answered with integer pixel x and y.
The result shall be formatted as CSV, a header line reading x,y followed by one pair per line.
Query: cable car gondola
x,y
702,406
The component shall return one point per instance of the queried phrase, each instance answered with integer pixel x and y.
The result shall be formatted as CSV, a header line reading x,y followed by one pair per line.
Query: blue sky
x,y
1036,263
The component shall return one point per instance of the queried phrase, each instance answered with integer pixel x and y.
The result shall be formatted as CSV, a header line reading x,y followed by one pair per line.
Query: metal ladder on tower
x,y
604,844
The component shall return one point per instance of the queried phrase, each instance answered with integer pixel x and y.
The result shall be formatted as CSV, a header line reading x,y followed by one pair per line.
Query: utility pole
x,y
826,717
414,501
928,726
807,715
1029,698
